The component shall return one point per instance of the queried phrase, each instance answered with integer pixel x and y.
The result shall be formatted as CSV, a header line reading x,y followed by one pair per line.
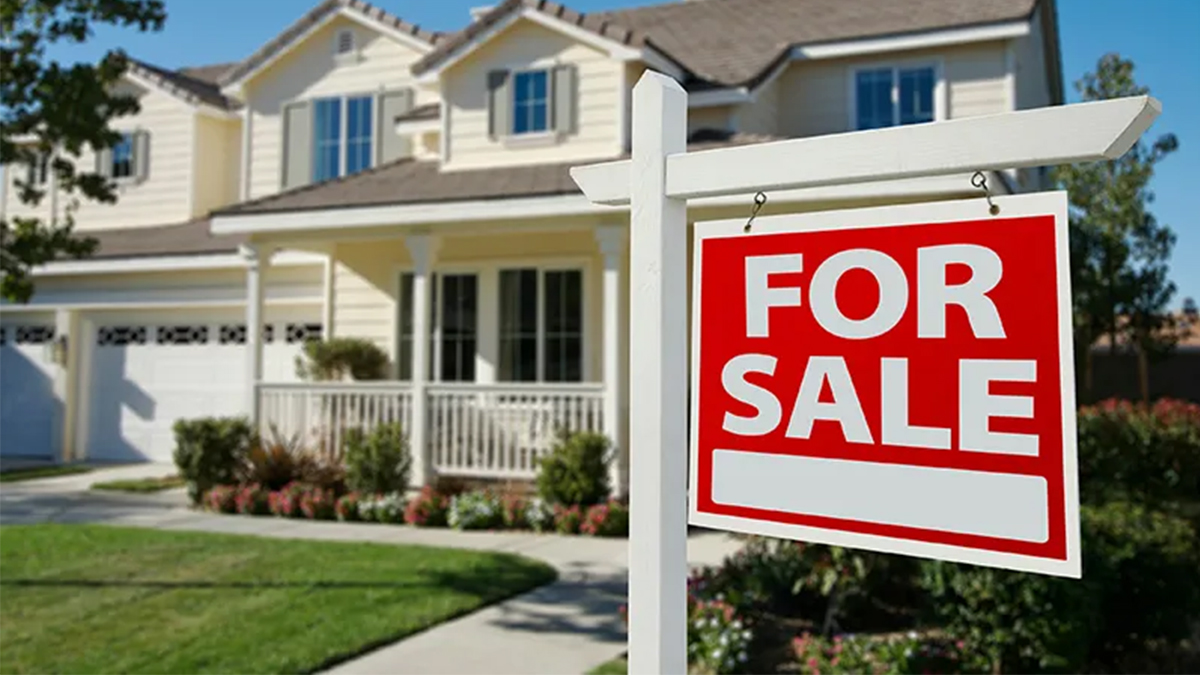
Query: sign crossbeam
x,y
1082,132
656,184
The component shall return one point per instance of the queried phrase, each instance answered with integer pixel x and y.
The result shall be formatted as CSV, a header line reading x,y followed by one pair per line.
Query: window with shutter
x,y
122,158
531,102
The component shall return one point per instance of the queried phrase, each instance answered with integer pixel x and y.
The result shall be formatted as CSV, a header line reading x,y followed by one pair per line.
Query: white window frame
x,y
940,88
488,333
344,129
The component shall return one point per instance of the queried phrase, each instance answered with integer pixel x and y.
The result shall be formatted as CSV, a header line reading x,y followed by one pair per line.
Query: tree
x,y
1119,251
49,113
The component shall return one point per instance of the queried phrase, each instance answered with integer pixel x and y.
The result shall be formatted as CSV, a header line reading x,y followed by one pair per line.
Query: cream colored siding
x,y
1033,88
816,95
529,45
310,71
163,197
715,117
217,143
364,291
760,116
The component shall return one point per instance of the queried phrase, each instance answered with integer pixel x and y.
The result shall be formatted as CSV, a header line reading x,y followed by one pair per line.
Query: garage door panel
x,y
29,410
156,372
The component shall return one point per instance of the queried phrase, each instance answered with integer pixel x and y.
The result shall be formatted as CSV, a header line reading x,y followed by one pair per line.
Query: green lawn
x,y
141,485
31,473
95,599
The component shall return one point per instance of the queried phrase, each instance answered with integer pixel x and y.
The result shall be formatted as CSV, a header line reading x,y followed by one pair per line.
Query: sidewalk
x,y
566,627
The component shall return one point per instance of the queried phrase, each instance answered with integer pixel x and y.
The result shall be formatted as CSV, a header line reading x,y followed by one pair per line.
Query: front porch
x,y
497,343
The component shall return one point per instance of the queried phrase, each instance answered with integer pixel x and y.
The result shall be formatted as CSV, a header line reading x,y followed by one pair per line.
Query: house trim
x,y
143,305
616,50
134,75
173,263
479,210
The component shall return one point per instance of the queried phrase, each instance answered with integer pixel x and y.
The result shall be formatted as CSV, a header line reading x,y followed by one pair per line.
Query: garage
x,y
29,411
147,370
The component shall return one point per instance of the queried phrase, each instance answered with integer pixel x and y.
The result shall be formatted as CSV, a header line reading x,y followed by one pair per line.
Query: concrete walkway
x,y
566,627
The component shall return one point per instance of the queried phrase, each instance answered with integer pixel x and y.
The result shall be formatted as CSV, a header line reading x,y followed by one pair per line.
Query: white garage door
x,y
147,373
29,411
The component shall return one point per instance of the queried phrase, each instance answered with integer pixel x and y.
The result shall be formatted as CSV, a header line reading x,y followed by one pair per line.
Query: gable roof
x,y
313,18
736,42
193,85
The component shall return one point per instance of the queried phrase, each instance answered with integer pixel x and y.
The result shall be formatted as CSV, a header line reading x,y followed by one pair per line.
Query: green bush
x,y
378,462
876,654
575,471
478,510
333,359
211,451
1138,589
1147,454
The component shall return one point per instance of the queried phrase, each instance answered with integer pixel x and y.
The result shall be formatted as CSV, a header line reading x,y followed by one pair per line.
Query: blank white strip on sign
x,y
1008,506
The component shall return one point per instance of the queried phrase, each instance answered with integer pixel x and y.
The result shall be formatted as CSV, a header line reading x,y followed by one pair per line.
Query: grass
x,y
31,473
141,485
618,666
96,599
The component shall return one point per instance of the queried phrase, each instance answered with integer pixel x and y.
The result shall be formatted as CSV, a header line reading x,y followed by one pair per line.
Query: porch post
x,y
423,249
612,244
257,262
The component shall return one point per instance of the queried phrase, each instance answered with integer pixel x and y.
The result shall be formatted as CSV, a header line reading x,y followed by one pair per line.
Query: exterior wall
x,y
1032,85
310,71
716,117
527,44
366,284
216,163
817,97
762,115
161,199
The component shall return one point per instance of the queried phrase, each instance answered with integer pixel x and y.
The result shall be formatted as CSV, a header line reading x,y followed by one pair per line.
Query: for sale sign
x,y
897,379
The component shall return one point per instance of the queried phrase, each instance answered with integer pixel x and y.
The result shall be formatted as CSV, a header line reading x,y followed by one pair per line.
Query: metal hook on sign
x,y
759,199
980,181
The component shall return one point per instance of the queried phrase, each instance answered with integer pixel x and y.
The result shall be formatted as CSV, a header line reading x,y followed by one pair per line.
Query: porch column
x,y
612,245
257,261
423,250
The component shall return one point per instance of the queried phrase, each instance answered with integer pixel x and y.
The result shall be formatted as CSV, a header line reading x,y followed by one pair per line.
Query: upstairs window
x,y
38,171
531,102
888,97
122,158
342,138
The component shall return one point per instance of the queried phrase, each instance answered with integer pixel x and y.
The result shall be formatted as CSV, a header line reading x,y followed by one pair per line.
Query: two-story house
x,y
359,176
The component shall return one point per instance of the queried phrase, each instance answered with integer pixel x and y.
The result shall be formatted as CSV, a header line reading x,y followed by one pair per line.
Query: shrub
x,y
567,519
321,471
516,512
210,451
718,640
1138,589
253,500
1147,454
606,520
317,503
877,654
378,463
428,509
285,503
347,507
475,511
389,508
221,498
575,471
335,358
274,462
539,514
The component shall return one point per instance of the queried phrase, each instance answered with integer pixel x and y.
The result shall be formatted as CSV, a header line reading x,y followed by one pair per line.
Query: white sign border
x,y
1017,206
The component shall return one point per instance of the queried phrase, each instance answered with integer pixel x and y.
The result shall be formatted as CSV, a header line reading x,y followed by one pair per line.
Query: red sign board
x,y
897,379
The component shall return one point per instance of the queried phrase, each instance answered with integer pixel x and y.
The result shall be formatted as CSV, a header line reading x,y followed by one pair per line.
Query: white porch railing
x,y
472,430
499,430
320,414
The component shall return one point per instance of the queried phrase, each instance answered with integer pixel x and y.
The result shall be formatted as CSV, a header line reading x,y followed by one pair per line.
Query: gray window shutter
x,y
390,145
104,162
297,144
141,154
563,87
499,103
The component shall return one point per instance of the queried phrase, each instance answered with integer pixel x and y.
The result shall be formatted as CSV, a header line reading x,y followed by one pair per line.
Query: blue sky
x,y
1161,36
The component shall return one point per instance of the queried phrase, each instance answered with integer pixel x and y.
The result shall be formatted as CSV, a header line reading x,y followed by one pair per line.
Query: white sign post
x,y
656,185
